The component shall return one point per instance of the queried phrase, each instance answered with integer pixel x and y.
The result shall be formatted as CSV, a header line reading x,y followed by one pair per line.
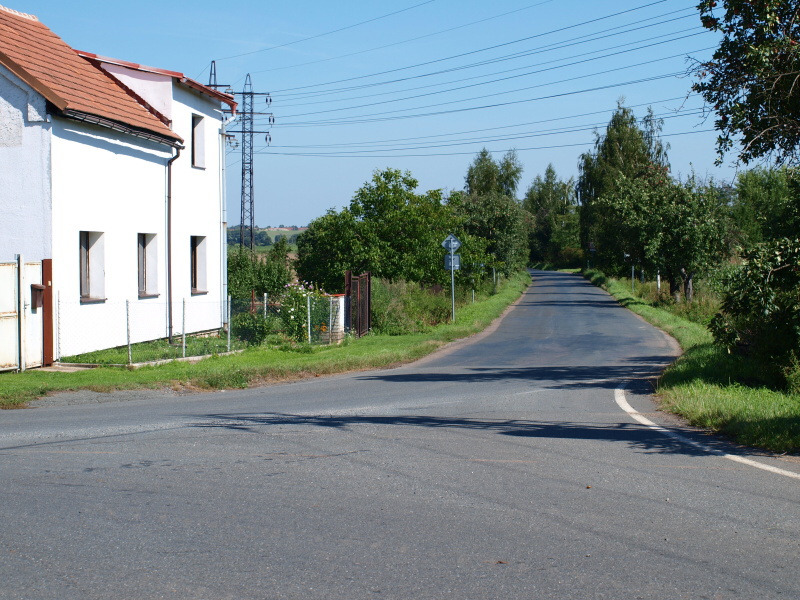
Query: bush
x,y
760,313
252,328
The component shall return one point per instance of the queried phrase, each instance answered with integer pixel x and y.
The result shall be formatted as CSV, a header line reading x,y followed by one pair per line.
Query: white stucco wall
x,y
25,219
113,184
197,207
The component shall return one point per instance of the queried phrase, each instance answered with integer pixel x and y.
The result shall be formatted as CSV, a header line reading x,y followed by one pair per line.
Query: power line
x,y
578,62
319,35
537,50
414,39
346,155
538,35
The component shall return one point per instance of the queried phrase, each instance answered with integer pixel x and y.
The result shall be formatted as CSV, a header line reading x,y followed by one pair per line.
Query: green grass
x,y
712,389
157,350
261,365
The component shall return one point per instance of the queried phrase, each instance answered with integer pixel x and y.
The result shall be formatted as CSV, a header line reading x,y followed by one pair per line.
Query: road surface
x,y
504,467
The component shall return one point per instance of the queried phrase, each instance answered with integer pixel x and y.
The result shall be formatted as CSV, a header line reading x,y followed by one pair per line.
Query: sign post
x,y
451,244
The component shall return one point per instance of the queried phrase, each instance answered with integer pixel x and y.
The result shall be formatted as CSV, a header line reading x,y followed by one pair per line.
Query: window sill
x,y
199,292
88,300
146,295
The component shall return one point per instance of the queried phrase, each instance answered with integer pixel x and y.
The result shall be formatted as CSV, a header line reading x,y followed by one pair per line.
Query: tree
x,y
248,273
553,208
752,81
485,175
678,228
766,205
627,149
499,220
329,248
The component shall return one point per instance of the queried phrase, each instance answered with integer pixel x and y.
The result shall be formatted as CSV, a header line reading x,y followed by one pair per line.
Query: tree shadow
x,y
635,436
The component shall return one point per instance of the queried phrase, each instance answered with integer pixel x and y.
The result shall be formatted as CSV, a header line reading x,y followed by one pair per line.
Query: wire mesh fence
x,y
146,331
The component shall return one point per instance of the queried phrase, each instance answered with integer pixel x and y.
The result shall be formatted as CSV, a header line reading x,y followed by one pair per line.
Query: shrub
x,y
760,312
252,328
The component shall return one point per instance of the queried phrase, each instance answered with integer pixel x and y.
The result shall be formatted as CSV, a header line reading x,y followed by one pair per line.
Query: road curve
x,y
499,468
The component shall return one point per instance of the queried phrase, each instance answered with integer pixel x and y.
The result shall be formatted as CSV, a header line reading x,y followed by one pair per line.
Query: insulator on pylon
x,y
269,100
268,139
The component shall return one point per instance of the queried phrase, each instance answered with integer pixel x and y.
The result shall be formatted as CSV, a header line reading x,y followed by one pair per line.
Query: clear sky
x,y
417,85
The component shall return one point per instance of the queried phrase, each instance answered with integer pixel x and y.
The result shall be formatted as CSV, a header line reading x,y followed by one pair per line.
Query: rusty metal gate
x,y
358,303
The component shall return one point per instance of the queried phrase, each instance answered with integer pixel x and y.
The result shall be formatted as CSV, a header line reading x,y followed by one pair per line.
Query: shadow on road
x,y
547,377
635,436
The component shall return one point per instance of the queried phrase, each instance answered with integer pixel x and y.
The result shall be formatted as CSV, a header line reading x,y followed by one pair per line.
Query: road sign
x,y
451,243
452,262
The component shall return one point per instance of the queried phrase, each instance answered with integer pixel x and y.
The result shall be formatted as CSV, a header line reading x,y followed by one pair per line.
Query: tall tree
x,y
485,175
752,81
553,208
627,148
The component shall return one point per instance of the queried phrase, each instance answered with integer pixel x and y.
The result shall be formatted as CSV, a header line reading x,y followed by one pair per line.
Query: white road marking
x,y
619,396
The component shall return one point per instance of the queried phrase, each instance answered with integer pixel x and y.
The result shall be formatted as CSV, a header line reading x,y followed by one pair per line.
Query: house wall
x,y
197,209
115,185
24,171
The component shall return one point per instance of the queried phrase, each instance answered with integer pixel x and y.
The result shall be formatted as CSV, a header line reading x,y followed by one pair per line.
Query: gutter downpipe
x,y
169,239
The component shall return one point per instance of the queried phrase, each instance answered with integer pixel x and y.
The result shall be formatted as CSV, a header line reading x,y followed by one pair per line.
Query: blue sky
x,y
417,85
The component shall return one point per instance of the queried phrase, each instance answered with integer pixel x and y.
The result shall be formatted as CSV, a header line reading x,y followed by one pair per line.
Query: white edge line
x,y
619,396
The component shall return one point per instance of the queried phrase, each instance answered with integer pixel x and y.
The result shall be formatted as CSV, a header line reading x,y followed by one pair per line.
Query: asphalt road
x,y
500,468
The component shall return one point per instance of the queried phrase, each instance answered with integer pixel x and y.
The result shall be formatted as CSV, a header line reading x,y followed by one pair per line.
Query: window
x,y
198,143
198,245
92,267
148,265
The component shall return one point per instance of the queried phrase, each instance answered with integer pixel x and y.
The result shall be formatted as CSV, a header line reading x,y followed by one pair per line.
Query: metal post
x,y
128,327
658,281
330,320
58,325
229,323
308,317
452,283
265,306
473,296
183,335
633,278
22,336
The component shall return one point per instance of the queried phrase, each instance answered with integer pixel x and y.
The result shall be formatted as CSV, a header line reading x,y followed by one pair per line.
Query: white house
x,y
111,176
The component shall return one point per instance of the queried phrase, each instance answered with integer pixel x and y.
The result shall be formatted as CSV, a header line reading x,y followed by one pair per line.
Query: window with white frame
x,y
92,266
148,265
198,142
198,264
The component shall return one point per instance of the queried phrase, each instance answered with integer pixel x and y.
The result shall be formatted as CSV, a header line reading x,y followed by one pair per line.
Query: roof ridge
x,y
18,13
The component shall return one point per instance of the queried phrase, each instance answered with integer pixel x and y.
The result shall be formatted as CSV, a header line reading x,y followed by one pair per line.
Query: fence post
x,y
330,320
58,324
473,296
633,279
229,323
183,324
265,305
308,316
128,326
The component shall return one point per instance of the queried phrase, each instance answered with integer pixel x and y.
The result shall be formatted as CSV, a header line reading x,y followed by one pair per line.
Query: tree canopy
x,y
752,81
485,175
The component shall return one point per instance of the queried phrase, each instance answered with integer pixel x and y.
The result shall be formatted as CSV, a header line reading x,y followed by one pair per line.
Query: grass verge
x,y
712,389
261,365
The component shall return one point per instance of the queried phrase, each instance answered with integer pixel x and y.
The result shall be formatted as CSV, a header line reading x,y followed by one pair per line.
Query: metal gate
x,y
358,303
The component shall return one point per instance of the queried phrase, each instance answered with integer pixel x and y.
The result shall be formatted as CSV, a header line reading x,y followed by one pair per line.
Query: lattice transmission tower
x,y
246,121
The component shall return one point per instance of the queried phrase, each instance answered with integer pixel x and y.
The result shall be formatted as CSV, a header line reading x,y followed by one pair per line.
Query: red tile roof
x,y
203,89
45,62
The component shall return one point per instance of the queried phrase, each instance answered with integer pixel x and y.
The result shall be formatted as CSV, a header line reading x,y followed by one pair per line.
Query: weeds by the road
x,y
267,364
712,389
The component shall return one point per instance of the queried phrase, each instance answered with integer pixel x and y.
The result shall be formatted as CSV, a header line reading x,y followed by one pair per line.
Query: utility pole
x,y
246,121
